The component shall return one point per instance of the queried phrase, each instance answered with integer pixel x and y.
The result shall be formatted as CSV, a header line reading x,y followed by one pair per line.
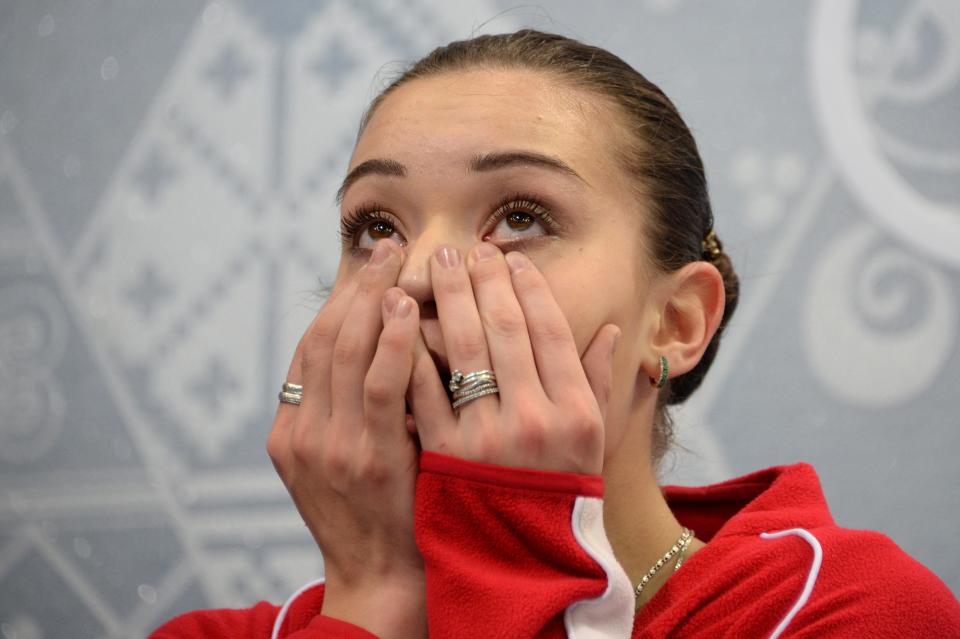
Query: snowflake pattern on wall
x,y
214,233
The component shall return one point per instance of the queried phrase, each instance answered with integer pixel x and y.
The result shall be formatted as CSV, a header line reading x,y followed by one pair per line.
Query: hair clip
x,y
711,245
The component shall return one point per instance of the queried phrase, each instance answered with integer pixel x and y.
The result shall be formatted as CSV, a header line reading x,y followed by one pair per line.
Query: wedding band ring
x,y
291,393
457,403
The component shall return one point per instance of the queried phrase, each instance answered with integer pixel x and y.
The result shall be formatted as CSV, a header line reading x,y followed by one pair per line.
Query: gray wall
x,y
166,180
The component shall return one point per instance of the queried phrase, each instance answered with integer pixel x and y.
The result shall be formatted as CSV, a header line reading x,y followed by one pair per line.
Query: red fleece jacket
x,y
519,553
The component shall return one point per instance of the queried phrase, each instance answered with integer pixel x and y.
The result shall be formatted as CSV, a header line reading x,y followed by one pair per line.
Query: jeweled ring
x,y
291,393
461,383
466,388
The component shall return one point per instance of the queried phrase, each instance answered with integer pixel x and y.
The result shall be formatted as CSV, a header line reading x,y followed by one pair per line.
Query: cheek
x,y
586,308
596,280
591,296
570,291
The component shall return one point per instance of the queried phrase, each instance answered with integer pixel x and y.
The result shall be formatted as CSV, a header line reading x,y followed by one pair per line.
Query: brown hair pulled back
x,y
660,153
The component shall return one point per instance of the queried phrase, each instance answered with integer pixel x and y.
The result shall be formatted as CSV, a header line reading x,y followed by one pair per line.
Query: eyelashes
x,y
526,205
360,219
374,217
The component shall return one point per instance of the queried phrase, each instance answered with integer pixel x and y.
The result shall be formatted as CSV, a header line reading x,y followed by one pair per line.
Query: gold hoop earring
x,y
664,373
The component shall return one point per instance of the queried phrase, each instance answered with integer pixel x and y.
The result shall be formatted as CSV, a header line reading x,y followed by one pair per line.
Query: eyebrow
x,y
371,167
481,163
494,161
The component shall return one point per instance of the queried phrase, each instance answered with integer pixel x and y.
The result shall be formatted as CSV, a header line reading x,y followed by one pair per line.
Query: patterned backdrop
x,y
167,171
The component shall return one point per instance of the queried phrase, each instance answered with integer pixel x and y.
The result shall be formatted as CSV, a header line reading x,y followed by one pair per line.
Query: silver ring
x,y
461,382
466,388
460,401
290,398
291,393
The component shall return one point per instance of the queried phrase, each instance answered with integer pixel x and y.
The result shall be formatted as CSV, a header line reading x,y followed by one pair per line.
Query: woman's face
x,y
511,158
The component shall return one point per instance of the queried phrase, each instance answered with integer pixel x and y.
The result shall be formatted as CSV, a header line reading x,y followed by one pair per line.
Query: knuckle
x,y
372,280
583,430
530,426
470,346
314,342
487,271
451,285
335,462
555,332
346,351
378,391
584,423
321,332
531,285
489,446
277,448
583,407
533,437
420,382
365,286
309,362
504,320
526,413
395,341
527,281
304,447
373,470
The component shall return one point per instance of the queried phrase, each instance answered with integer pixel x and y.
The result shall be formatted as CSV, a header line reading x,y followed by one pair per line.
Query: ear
x,y
690,309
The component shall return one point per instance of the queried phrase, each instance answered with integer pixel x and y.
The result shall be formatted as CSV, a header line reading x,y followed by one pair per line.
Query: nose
x,y
415,273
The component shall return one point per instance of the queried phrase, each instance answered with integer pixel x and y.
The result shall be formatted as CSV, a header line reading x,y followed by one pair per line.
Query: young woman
x,y
471,425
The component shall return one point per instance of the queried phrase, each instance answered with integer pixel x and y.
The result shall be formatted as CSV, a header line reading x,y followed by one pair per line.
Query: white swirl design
x,y
844,117
879,324
32,342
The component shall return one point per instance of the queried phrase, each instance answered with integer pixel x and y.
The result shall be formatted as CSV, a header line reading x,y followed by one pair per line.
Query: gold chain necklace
x,y
679,549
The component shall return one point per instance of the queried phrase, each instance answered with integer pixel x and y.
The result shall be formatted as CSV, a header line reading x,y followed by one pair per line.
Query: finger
x,y
598,365
327,320
554,348
463,336
385,386
356,342
311,364
503,322
428,401
331,314
385,312
280,436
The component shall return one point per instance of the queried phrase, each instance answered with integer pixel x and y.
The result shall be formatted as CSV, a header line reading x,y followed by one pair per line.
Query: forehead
x,y
441,120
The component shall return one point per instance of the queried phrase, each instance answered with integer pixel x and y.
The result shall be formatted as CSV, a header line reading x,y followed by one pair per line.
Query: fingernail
x,y
517,261
404,306
616,343
448,257
484,251
380,253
